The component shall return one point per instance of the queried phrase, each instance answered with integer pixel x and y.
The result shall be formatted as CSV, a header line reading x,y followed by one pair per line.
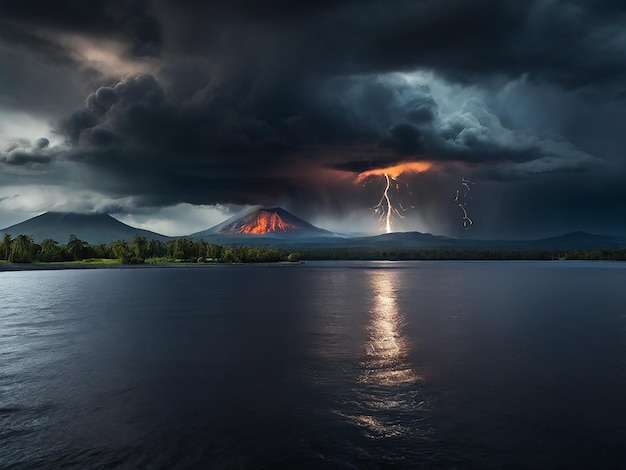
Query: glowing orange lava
x,y
266,222
395,170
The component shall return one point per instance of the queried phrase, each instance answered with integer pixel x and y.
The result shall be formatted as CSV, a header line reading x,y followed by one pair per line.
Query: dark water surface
x,y
324,365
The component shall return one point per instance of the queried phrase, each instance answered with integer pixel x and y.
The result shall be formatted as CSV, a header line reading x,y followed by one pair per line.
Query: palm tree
x,y
122,251
22,249
140,247
75,247
156,248
50,250
6,246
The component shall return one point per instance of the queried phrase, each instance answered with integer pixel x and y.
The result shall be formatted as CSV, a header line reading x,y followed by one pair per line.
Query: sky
x,y
174,115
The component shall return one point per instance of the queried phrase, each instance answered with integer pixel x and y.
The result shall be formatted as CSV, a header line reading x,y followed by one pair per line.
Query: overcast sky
x,y
174,115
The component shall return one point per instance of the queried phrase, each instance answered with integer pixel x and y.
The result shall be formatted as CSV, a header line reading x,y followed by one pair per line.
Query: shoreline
x,y
14,267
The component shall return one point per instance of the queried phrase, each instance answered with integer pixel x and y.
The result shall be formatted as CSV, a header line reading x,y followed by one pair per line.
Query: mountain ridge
x,y
103,228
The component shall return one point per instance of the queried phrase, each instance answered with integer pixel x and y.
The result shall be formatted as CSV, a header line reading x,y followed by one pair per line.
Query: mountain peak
x,y
266,221
92,228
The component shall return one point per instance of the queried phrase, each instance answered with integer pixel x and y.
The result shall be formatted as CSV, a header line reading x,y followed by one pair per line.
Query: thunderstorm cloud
x,y
151,105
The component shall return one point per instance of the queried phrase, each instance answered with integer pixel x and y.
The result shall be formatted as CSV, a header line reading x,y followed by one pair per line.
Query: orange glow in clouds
x,y
395,170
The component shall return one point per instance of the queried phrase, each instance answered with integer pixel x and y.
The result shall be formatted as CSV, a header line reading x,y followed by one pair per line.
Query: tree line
x,y
22,249
459,254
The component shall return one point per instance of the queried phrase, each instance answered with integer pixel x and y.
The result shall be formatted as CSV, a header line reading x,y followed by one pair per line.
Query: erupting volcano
x,y
274,221
263,222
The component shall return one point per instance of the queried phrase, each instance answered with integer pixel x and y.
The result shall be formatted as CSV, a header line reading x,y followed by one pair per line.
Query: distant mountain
x,y
580,241
92,228
273,223
569,241
399,240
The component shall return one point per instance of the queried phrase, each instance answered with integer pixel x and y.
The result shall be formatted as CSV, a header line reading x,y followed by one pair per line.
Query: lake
x,y
322,365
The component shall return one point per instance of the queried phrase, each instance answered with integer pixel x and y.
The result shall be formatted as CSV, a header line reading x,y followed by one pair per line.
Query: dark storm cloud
x,y
576,42
51,51
171,152
42,70
471,133
34,155
125,20
38,75
244,100
263,112
42,143
18,158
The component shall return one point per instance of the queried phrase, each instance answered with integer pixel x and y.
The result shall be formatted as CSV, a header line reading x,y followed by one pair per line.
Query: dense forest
x,y
22,249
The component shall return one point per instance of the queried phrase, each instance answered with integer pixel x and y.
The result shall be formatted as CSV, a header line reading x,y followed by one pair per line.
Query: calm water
x,y
325,365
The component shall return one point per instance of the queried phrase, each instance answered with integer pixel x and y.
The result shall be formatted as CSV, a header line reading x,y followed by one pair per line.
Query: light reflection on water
x,y
386,349
388,384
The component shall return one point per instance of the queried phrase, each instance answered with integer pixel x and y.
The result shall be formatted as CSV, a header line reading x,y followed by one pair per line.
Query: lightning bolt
x,y
385,209
465,182
385,206
466,220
